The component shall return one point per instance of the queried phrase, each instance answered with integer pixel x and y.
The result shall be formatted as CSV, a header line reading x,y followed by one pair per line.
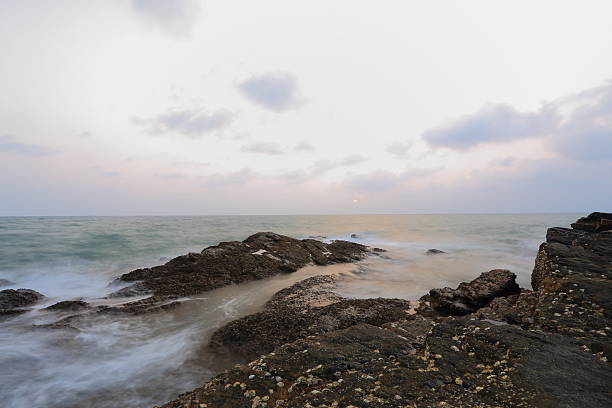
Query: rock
x,y
69,305
12,299
594,222
434,251
6,282
355,236
369,366
469,297
304,309
261,255
544,348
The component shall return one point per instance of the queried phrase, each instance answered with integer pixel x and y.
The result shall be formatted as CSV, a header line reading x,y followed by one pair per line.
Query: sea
x,y
143,361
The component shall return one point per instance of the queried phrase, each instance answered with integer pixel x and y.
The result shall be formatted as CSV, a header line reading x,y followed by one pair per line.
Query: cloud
x,y
587,132
492,123
177,17
399,148
9,144
304,146
262,148
277,91
190,123
577,126
322,166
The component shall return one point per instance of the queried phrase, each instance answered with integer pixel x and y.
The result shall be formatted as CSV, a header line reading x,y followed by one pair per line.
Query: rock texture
x,y
471,296
305,309
13,301
259,256
543,348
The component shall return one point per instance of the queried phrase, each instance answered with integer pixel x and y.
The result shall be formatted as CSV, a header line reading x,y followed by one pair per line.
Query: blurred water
x,y
142,361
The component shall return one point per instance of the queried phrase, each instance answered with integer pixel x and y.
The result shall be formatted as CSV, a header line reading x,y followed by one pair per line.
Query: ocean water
x,y
140,361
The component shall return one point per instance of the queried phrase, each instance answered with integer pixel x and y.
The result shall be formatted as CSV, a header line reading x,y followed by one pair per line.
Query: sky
x,y
156,107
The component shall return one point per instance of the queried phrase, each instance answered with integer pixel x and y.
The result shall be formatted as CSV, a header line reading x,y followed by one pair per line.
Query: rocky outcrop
x,y
543,348
471,296
261,255
69,305
434,251
305,309
13,302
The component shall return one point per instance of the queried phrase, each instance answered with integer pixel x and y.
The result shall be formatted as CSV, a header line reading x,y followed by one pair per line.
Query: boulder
x,y
471,296
12,299
261,255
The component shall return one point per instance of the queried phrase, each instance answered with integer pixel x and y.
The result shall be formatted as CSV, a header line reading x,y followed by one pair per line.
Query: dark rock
x,y
355,236
594,222
469,297
261,255
456,362
545,348
11,298
69,305
304,309
6,282
434,251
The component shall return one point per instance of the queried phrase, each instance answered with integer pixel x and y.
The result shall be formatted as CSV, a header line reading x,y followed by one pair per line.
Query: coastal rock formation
x,y
547,347
69,305
434,251
471,296
261,255
457,363
305,309
12,301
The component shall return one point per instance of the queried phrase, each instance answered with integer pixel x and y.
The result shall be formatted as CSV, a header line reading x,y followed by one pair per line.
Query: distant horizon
x,y
297,215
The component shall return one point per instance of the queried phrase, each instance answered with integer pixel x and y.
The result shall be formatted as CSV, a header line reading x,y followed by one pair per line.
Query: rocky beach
x,y
486,343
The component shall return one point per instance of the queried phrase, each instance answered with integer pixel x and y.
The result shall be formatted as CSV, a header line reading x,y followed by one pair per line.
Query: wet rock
x,y
457,362
6,282
543,348
69,305
261,255
471,296
434,251
11,298
304,309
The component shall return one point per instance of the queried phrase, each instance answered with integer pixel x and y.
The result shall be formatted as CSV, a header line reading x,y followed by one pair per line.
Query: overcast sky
x,y
294,107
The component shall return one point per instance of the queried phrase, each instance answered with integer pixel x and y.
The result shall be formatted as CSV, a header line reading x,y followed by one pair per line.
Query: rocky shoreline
x,y
487,343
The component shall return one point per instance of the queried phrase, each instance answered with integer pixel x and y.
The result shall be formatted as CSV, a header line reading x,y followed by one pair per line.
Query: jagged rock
x,y
434,251
456,362
11,298
545,348
594,222
69,305
6,282
259,256
304,309
471,296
